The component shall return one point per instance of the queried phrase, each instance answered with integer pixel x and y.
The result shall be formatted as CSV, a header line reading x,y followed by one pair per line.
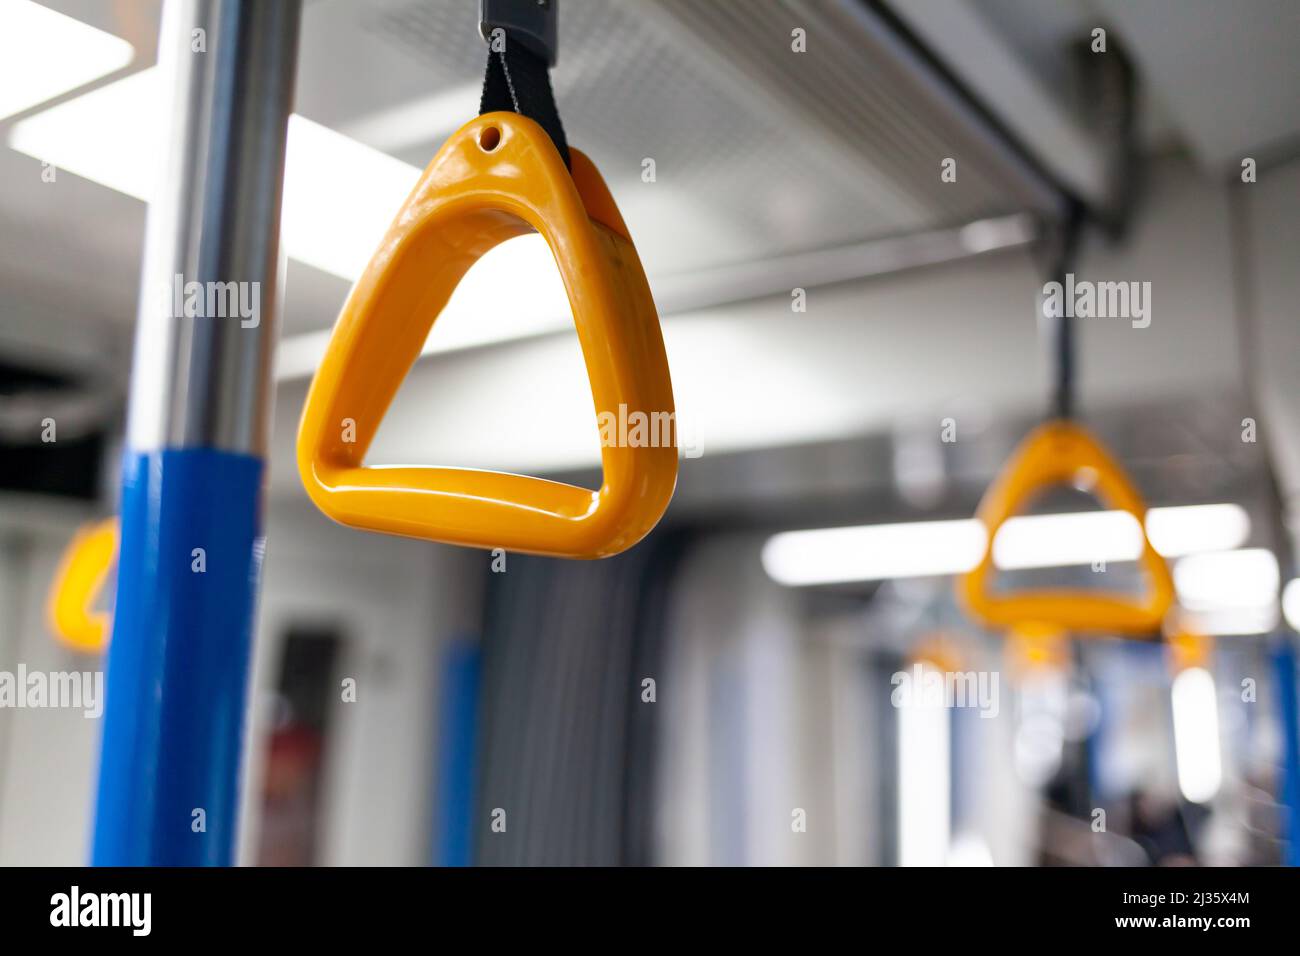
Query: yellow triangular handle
x,y
77,585
1055,453
499,176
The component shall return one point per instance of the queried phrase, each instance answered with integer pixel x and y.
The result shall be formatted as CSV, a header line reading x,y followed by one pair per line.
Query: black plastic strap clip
x,y
530,22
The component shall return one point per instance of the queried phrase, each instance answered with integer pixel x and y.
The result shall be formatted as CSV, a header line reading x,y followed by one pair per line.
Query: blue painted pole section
x,y
179,659
457,755
198,421
1284,663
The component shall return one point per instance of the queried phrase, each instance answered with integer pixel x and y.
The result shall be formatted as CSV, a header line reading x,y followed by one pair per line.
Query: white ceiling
x,y
1222,77
747,169
1229,73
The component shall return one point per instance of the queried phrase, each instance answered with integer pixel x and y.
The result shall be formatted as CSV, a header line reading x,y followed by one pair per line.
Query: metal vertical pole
x,y
201,390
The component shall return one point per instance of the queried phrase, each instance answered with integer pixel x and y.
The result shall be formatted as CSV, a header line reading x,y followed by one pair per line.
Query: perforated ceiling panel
x,y
758,150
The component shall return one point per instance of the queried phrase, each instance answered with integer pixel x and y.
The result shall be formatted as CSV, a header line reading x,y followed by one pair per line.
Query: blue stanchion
x,y
457,755
1284,665
178,664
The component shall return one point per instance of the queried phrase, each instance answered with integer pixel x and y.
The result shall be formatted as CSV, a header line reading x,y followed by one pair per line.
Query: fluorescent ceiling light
x,y
1232,620
513,292
1246,578
1045,541
1196,735
1229,592
1291,603
874,552
339,195
1192,529
924,548
44,54
109,135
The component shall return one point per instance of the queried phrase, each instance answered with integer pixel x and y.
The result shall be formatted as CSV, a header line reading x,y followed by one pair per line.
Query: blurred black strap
x,y
1064,247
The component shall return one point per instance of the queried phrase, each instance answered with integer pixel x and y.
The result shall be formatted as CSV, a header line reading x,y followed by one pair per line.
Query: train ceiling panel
x,y
764,150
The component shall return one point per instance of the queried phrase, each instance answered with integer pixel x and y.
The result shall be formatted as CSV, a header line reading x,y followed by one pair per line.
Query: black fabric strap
x,y
1063,350
517,81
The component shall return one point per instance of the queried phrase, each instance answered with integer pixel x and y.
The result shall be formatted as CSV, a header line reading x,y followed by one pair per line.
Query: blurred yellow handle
x,y
498,177
1055,453
77,584
1188,648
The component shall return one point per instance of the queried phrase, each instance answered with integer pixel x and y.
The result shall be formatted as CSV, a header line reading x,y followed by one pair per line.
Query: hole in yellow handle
x,y
77,585
498,177
1053,454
